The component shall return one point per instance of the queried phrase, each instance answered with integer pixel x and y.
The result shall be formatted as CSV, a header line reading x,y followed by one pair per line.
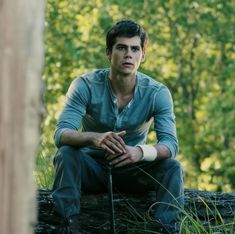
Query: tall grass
x,y
190,222
44,171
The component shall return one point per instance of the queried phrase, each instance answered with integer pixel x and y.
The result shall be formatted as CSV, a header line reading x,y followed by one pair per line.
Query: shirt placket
x,y
120,115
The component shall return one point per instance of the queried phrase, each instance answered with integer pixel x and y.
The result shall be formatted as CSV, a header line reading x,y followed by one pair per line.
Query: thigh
x,y
144,176
133,178
84,167
94,173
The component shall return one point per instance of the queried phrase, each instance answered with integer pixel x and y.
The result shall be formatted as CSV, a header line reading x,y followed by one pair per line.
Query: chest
x,y
122,101
118,112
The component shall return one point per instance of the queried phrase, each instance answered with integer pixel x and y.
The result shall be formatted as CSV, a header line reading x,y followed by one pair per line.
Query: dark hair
x,y
125,28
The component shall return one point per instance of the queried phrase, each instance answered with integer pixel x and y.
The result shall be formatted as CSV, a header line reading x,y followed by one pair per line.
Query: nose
x,y
128,53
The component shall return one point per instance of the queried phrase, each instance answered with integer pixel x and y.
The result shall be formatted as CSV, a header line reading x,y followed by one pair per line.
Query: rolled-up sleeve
x,y
164,120
74,110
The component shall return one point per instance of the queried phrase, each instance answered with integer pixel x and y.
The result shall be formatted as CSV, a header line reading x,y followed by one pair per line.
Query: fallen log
x,y
212,209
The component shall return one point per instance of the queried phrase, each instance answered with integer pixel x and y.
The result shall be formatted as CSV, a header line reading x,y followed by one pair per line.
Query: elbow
x,y
57,139
58,135
174,150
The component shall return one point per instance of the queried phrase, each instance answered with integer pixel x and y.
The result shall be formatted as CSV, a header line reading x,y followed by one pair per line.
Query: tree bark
x,y
21,60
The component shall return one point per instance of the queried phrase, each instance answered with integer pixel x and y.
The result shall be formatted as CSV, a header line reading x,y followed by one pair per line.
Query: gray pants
x,y
86,169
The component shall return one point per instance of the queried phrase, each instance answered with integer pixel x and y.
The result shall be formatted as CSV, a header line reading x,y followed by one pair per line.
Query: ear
x,y
108,54
143,57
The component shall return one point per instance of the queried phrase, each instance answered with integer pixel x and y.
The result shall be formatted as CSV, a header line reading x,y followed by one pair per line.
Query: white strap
x,y
149,152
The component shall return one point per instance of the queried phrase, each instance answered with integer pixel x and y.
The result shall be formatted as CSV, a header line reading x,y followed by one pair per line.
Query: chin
x,y
128,72
125,73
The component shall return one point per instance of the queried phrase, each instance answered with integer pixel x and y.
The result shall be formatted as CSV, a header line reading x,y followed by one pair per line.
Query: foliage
x,y
191,50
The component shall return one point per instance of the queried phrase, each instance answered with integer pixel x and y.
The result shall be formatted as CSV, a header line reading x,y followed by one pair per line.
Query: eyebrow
x,y
124,45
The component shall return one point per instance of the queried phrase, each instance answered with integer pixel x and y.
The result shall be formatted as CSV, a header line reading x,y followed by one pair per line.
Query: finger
x,y
121,163
111,157
107,148
120,136
117,159
114,145
122,133
118,141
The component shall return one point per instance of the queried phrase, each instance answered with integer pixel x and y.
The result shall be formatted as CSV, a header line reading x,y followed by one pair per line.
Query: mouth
x,y
128,64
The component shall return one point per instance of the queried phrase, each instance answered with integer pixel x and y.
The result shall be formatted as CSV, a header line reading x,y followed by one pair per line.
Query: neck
x,y
122,84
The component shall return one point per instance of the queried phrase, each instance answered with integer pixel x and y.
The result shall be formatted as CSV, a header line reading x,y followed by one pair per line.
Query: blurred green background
x,y
191,49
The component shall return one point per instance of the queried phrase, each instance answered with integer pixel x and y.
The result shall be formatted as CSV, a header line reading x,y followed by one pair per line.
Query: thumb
x,y
122,133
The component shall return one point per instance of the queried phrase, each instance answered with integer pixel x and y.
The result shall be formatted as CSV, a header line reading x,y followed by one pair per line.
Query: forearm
x,y
77,138
162,151
111,142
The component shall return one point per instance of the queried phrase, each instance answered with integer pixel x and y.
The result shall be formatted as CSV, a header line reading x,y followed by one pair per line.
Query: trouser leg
x,y
75,169
165,177
170,193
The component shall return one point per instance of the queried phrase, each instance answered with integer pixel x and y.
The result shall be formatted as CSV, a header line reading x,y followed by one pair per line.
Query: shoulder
x,y
147,82
156,91
97,76
87,80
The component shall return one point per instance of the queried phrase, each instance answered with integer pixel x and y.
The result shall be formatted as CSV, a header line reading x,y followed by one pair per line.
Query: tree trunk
x,y
21,58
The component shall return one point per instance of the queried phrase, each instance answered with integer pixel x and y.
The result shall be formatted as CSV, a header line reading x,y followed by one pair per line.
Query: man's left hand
x,y
132,155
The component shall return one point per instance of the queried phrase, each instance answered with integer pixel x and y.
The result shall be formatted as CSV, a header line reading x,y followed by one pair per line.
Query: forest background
x,y
191,49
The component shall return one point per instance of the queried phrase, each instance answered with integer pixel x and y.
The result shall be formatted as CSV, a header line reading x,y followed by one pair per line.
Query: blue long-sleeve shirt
x,y
91,106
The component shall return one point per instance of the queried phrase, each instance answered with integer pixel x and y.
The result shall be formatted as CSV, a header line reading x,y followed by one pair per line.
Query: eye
x,y
135,49
120,48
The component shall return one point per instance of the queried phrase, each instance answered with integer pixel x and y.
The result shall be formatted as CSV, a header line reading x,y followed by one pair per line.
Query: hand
x,y
132,155
111,142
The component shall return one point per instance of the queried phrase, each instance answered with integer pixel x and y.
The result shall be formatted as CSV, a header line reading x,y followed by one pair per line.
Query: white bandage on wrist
x,y
149,152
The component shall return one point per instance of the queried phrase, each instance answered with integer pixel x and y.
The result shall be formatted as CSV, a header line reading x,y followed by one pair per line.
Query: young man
x,y
114,109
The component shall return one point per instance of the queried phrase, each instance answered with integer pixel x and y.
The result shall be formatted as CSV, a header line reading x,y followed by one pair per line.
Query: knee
x,y
172,164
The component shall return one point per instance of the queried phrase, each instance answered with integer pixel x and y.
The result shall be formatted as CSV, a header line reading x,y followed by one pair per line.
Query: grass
x,y
44,172
190,222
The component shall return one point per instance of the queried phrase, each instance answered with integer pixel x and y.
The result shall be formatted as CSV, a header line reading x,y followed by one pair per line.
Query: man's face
x,y
126,55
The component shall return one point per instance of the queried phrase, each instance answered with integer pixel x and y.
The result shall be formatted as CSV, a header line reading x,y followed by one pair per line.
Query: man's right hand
x,y
112,142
